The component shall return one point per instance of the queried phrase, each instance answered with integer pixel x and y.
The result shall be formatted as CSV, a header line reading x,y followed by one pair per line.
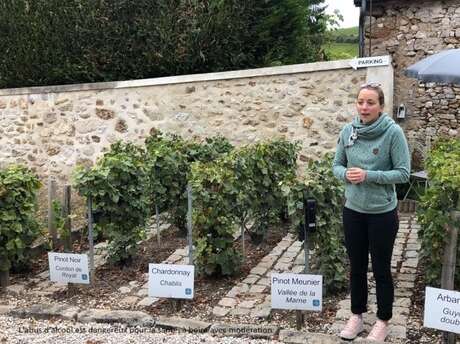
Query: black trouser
x,y
374,233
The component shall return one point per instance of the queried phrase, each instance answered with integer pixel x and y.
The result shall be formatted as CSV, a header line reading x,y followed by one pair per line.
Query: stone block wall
x,y
409,31
52,129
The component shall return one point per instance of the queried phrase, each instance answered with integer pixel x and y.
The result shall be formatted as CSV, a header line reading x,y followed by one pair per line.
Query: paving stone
x,y
174,258
411,254
16,289
402,302
261,312
398,310
46,311
404,284
142,292
182,324
251,279
134,284
133,318
399,320
297,337
147,301
227,302
259,270
130,300
403,293
247,304
408,270
291,254
240,311
284,244
397,331
286,260
220,311
265,265
244,330
124,290
244,288
343,314
269,259
257,289
233,292
297,269
369,318
281,267
411,263
5,309
264,281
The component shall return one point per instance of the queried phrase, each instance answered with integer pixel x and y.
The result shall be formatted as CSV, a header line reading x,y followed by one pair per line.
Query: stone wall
x,y
52,129
409,31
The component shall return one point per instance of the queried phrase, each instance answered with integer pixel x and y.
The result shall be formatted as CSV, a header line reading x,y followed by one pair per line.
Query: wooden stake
x,y
448,266
51,218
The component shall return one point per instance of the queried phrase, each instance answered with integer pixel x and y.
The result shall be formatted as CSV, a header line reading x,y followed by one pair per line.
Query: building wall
x,y
52,129
409,31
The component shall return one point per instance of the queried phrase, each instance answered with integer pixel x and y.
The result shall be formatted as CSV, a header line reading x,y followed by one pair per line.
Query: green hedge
x,y
54,42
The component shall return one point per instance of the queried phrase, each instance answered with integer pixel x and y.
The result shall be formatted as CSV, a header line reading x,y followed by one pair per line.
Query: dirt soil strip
x,y
209,290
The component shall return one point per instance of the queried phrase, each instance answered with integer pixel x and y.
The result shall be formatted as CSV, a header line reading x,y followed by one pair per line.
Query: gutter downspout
x,y
362,22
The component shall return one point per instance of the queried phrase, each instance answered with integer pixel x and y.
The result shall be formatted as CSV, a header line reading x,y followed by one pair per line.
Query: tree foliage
x,y
53,42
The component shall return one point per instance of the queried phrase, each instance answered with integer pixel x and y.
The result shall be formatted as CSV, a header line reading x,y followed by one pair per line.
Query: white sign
x,y
442,309
172,281
297,291
68,268
373,61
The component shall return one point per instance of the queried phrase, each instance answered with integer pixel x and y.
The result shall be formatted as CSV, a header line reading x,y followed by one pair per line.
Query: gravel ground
x,y
24,331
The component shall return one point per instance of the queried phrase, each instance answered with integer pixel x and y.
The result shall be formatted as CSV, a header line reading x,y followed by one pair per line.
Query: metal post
x,y
90,239
189,225
51,217
299,314
158,224
66,210
243,249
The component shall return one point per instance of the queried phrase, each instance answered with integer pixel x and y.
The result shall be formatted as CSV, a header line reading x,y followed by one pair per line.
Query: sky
x,y
348,10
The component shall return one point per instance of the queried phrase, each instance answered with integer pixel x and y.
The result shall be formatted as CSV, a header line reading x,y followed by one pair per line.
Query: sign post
x,y
171,281
442,309
373,61
91,238
68,267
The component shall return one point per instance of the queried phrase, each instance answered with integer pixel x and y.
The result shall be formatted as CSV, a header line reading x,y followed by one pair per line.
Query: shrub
x,y
119,187
433,211
49,42
169,161
327,242
214,191
260,169
18,225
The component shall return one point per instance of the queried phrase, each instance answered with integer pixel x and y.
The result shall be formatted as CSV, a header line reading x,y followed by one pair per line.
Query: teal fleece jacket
x,y
381,149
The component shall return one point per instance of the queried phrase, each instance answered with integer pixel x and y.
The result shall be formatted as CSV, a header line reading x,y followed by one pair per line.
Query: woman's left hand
x,y
356,175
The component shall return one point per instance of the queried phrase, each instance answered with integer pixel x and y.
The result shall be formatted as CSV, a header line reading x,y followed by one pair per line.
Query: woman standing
x,y
371,157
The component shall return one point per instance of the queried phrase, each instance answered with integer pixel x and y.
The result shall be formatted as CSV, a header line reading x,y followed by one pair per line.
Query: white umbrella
x,y
443,67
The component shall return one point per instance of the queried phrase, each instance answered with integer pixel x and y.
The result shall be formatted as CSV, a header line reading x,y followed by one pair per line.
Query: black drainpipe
x,y
362,21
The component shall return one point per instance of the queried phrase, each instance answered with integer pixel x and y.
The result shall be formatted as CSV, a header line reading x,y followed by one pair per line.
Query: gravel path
x,y
24,331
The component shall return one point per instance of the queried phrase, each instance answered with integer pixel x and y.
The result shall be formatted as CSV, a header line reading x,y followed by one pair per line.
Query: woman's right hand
x,y
356,175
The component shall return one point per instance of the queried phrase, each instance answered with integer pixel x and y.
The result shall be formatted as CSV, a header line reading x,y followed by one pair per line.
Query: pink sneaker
x,y
379,332
353,327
